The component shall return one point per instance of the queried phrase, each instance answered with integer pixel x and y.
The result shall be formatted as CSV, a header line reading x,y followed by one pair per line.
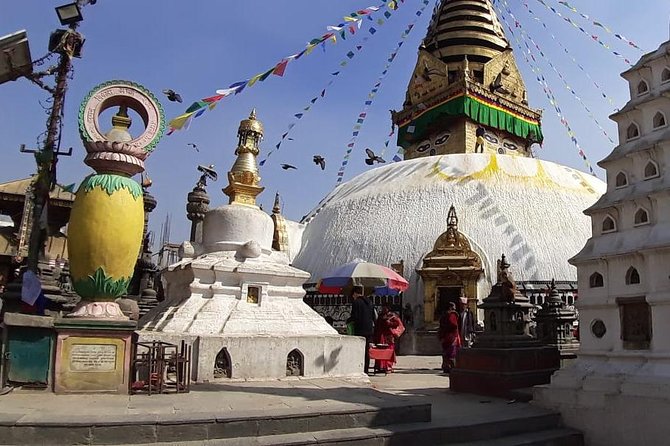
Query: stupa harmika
x,y
239,302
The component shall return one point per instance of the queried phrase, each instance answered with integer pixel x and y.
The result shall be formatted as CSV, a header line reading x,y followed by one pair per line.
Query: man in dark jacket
x,y
363,317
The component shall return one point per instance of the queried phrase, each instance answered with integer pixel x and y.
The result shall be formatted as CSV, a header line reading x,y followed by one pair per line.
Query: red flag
x,y
280,68
214,98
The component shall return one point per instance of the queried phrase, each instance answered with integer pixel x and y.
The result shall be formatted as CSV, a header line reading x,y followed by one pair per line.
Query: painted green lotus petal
x,y
99,286
111,183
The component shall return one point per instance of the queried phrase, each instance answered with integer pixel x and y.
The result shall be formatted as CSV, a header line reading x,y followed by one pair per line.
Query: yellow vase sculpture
x,y
105,235
107,220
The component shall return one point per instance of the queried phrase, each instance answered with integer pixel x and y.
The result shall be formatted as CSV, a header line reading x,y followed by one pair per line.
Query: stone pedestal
x,y
93,356
496,371
505,356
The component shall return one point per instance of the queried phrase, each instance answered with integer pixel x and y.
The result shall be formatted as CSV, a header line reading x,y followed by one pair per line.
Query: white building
x,y
618,390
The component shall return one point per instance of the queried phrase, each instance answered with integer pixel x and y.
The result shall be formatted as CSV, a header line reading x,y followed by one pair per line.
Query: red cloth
x,y
384,327
449,336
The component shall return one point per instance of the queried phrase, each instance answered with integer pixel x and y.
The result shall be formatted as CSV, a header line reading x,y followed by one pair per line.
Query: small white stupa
x,y
238,302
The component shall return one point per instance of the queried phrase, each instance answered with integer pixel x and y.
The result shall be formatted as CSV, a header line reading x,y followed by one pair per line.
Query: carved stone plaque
x,y
93,358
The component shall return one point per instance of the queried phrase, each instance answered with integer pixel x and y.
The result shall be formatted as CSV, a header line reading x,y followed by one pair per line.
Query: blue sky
x,y
198,47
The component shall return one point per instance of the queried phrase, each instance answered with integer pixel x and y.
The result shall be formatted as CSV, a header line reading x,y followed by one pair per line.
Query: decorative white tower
x,y
620,382
238,302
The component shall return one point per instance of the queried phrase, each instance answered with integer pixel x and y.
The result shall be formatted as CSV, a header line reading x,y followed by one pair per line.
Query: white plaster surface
x,y
295,231
227,226
529,209
208,306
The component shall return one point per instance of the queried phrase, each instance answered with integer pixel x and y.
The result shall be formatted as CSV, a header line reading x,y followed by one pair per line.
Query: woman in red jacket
x,y
449,337
387,328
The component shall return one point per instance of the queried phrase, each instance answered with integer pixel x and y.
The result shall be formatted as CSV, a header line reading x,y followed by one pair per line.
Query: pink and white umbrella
x,y
361,273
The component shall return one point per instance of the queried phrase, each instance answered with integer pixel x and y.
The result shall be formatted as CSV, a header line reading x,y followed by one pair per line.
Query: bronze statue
x,y
207,172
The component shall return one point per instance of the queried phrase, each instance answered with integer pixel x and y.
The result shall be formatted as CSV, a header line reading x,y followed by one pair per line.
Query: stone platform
x,y
491,371
412,406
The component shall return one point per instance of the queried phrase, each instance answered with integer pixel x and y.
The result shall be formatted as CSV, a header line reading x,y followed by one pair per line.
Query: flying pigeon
x,y
287,166
320,161
372,158
172,95
195,146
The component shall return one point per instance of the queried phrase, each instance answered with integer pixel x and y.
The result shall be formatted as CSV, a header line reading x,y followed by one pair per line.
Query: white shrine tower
x,y
619,387
238,302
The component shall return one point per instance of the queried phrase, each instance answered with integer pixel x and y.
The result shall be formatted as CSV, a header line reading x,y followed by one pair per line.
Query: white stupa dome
x,y
228,227
530,210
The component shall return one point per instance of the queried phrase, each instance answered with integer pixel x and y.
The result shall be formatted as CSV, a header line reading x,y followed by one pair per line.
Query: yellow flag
x,y
179,121
309,49
253,80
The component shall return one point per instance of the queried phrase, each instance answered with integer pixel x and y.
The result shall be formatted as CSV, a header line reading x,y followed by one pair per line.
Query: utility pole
x,y
67,43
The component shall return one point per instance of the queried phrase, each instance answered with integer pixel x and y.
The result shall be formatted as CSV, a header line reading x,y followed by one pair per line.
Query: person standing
x,y
449,337
479,143
387,328
363,318
466,323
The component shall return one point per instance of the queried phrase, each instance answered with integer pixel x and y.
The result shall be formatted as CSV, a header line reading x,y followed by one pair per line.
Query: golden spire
x,y
461,28
243,178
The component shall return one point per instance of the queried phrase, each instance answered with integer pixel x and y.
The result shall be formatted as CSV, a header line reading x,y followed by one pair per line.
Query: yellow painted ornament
x,y
107,220
108,216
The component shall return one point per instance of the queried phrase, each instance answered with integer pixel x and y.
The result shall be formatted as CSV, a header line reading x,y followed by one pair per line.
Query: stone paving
x,y
416,377
417,380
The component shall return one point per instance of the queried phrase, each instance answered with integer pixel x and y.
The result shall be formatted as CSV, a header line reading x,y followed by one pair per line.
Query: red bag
x,y
398,330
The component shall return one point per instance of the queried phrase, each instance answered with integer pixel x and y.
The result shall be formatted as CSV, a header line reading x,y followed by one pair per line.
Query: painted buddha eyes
x,y
490,138
425,145
509,145
441,139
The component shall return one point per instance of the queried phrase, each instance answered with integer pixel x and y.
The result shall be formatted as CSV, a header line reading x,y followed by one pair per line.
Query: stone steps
x,y
541,430
401,423
378,437
196,427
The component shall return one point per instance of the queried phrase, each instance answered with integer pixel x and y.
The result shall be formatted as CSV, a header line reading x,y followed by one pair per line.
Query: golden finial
x,y
243,178
120,124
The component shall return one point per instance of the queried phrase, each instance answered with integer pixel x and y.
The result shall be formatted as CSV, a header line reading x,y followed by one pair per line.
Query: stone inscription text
x,y
93,358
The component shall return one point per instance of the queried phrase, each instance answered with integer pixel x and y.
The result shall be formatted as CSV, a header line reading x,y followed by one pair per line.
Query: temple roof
x,y
16,190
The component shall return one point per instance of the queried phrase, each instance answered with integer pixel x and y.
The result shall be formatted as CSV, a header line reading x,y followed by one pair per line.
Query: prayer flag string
x,y
558,73
545,86
322,93
593,37
352,23
600,25
558,41
373,92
